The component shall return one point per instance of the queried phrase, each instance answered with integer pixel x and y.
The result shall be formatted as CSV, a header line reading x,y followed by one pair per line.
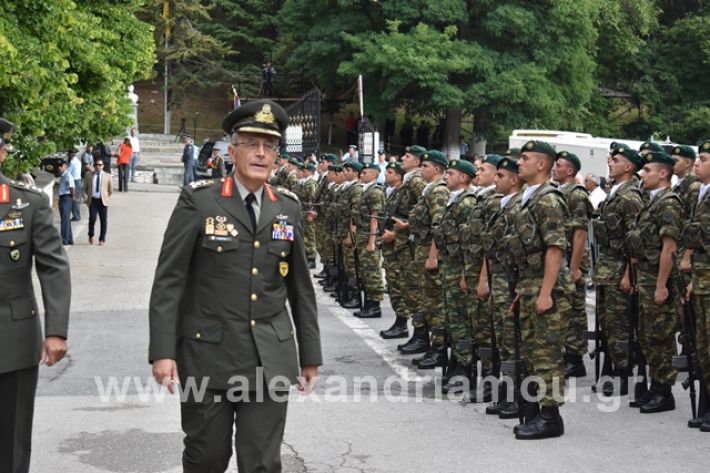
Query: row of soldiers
x,y
489,263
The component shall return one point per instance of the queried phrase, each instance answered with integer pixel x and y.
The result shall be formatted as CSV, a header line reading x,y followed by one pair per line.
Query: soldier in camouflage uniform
x,y
290,179
324,246
412,187
495,283
395,247
308,193
580,209
280,171
617,216
424,221
653,244
488,203
349,203
331,211
459,175
365,225
696,240
688,186
538,244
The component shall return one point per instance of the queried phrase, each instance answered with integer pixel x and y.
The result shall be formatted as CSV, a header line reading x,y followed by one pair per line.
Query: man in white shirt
x,y
596,193
75,173
135,157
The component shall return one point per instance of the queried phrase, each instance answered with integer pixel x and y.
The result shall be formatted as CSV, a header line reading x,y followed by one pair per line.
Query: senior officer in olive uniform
x,y
232,255
26,232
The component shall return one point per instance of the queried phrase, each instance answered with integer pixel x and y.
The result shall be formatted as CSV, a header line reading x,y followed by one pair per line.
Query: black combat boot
x,y
353,301
661,401
642,394
436,356
530,409
323,274
397,330
508,411
495,407
419,343
370,311
574,366
482,393
703,409
450,368
460,378
548,423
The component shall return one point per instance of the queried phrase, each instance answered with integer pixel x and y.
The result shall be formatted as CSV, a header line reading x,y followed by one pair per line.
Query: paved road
x,y
392,422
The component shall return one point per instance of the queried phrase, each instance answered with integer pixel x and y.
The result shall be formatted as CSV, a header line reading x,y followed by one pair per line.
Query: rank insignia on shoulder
x,y
200,184
19,205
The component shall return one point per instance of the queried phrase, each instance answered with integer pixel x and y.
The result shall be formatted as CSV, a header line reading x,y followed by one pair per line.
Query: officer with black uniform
x,y
27,232
232,255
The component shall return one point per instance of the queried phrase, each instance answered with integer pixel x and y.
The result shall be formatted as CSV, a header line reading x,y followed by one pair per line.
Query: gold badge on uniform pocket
x,y
221,227
15,254
283,269
209,226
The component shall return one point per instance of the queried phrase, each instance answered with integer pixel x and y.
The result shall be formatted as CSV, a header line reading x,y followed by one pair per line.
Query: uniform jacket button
x,y
257,244
253,322
254,297
219,249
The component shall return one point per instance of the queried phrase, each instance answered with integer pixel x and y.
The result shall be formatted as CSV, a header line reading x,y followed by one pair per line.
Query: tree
x,y
65,68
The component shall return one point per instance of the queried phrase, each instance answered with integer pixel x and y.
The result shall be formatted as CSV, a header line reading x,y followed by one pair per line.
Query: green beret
x,y
463,166
283,157
416,150
353,165
310,167
509,163
659,158
260,116
335,168
629,153
435,156
331,158
684,151
542,147
704,147
373,166
651,146
294,160
493,159
512,152
572,158
396,166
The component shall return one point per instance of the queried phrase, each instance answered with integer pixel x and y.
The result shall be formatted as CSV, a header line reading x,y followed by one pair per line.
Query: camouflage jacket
x,y
411,192
426,215
696,236
372,202
497,227
350,201
662,216
487,204
308,189
580,213
540,224
448,235
617,217
393,208
688,190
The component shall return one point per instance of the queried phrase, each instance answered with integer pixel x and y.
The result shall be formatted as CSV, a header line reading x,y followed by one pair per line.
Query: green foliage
x,y
65,68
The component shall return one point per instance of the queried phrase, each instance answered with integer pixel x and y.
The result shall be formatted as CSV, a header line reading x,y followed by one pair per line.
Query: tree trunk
x,y
479,141
452,132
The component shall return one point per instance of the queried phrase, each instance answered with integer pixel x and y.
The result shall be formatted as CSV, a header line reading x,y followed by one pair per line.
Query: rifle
x,y
600,341
688,358
516,365
491,353
361,291
634,352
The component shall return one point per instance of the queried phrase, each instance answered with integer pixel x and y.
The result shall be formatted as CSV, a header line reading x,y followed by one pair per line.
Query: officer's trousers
x,y
17,398
208,425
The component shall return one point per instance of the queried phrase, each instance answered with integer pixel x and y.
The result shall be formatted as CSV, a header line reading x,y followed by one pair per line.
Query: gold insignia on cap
x,y
706,146
530,145
426,155
649,156
265,115
564,154
453,163
504,162
621,150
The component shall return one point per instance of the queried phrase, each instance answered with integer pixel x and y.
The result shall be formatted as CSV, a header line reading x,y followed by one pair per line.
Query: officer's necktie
x,y
250,210
98,183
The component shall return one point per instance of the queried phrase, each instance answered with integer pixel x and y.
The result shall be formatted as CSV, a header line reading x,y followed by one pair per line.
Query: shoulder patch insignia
x,y
201,184
287,193
27,187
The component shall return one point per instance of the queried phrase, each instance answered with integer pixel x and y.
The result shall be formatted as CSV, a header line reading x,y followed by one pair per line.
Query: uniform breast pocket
x,y
218,252
281,249
13,248
24,308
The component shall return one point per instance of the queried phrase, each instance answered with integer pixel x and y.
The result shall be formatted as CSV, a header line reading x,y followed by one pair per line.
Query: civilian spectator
x,y
87,161
67,195
136,156
382,163
218,167
188,159
75,173
124,153
97,189
596,193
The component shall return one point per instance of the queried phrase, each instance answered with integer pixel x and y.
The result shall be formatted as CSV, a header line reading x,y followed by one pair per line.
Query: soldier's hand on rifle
x,y
431,263
685,262
483,291
371,247
576,274
625,284
543,303
660,296
511,309
388,236
399,225
311,216
463,285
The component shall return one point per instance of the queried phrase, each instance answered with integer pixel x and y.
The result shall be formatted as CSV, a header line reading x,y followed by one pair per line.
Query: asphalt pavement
x,y
98,411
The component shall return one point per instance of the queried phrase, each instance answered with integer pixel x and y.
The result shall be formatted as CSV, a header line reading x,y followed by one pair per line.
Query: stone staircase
x,y
160,160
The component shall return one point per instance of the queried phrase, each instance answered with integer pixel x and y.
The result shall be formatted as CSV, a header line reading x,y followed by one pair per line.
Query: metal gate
x,y
303,132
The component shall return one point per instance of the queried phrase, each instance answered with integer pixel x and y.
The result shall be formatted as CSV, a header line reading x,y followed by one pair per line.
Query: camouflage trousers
x,y
324,243
370,269
431,295
576,342
458,322
309,239
657,327
613,307
480,318
542,339
502,320
701,307
410,283
391,262
349,264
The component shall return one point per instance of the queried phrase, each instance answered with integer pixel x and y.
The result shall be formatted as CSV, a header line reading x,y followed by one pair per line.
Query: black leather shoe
x,y
508,411
547,424
432,358
705,426
371,311
661,401
397,330
574,367
419,343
